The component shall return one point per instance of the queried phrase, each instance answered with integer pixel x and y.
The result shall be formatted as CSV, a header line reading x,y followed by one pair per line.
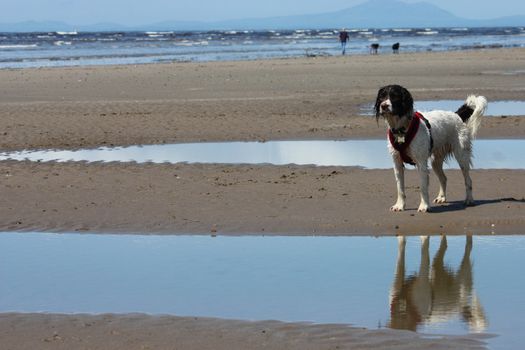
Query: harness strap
x,y
427,123
413,127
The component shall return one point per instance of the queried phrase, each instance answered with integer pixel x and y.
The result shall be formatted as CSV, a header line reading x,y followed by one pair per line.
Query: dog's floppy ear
x,y
407,102
379,99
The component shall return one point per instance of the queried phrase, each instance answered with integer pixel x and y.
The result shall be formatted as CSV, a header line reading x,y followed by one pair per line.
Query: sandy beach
x,y
308,98
289,99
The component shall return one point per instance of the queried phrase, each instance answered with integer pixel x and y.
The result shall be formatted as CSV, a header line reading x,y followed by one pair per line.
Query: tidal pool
x,y
488,154
433,285
494,109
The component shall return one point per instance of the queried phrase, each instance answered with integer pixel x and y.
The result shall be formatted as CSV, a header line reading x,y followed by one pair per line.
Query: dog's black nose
x,y
384,106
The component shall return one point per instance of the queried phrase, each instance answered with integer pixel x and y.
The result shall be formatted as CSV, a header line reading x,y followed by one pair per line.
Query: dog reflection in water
x,y
435,294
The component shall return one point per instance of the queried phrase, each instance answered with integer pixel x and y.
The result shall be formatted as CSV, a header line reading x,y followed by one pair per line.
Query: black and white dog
x,y
414,137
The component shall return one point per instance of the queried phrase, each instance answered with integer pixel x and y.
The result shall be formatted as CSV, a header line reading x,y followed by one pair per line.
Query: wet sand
x,y
315,98
137,331
247,199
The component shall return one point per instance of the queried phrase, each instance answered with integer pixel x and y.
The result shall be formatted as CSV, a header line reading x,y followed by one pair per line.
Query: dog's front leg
x,y
399,172
423,175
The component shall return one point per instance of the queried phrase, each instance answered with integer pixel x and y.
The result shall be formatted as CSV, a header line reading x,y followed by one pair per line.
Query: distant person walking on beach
x,y
343,38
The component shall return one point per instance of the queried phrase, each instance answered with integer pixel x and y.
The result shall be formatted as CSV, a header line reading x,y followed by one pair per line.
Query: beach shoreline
x,y
22,50
291,99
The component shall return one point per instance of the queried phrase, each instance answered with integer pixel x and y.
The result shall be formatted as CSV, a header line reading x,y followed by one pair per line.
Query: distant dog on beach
x,y
413,137
395,48
373,48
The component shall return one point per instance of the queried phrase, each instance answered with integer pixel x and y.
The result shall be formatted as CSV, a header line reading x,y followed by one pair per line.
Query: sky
x,y
135,12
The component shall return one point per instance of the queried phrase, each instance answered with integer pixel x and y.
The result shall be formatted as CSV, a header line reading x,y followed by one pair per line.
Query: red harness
x,y
402,147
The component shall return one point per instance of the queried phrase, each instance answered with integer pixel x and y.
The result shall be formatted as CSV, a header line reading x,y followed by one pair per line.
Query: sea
x,y
56,49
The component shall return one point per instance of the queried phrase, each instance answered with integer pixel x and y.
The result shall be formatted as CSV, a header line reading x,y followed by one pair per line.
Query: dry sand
x,y
314,98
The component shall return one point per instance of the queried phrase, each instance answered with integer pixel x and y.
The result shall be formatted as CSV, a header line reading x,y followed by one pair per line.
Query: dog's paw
x,y
440,200
397,207
469,202
423,208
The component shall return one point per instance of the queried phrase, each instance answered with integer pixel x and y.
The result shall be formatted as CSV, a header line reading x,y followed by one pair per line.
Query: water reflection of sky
x,y
488,154
355,280
494,109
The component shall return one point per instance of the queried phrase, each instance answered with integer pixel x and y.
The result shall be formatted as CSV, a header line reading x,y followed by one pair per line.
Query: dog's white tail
x,y
479,105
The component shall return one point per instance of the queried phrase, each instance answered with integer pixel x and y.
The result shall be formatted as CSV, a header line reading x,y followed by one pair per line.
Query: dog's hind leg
x,y
399,172
468,184
437,166
464,163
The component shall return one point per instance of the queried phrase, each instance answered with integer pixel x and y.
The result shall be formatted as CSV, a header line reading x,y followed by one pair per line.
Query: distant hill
x,y
34,26
56,26
371,14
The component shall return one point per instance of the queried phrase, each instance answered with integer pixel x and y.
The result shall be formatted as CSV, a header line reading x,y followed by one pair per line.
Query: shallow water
x,y
494,109
488,154
455,286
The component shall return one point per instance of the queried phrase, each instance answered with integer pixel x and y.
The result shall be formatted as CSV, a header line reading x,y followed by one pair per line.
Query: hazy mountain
x,y
30,26
511,21
56,26
371,14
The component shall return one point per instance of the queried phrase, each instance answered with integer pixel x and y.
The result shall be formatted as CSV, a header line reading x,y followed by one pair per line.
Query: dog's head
x,y
394,103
